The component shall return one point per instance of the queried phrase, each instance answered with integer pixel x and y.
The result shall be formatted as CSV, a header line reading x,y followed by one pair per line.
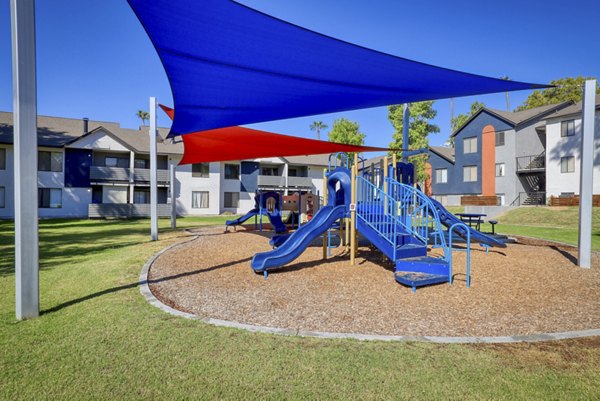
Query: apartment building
x,y
99,169
522,158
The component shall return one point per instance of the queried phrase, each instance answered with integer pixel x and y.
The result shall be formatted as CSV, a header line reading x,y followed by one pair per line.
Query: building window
x,y
500,199
270,171
141,197
567,164
499,138
470,173
567,128
232,200
200,170
567,194
200,200
111,161
232,172
2,197
49,161
499,169
298,171
49,198
141,163
441,175
2,159
470,145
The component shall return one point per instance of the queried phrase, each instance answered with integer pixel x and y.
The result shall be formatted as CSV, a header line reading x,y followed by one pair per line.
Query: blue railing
x,y
468,243
378,210
418,214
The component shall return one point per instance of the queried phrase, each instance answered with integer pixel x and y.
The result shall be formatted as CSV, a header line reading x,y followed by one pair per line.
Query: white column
x,y
25,158
286,171
131,175
405,128
173,194
153,182
584,258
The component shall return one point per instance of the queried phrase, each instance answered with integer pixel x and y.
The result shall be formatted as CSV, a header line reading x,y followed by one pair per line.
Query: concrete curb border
x,y
147,293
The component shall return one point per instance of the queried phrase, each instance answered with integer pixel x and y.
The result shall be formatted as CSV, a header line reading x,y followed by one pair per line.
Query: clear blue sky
x,y
94,59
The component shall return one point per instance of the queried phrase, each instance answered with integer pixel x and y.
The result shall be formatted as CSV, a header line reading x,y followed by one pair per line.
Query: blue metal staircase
x,y
400,223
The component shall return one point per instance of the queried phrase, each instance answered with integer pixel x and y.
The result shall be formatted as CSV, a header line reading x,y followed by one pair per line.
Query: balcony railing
x,y
143,175
103,173
112,174
532,163
271,181
125,210
303,182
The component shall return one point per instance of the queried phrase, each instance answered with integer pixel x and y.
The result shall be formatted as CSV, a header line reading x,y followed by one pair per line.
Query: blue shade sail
x,y
230,65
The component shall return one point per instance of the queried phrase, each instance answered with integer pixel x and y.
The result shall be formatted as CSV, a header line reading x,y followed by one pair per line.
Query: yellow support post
x,y
324,204
353,212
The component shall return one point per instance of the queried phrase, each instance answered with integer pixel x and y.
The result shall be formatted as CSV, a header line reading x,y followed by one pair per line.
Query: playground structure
x,y
271,204
386,207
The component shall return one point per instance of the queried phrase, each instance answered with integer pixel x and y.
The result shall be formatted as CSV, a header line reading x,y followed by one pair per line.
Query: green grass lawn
x,y
553,223
98,338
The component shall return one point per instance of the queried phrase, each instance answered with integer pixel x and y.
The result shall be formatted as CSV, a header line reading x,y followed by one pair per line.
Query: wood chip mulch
x,y
519,290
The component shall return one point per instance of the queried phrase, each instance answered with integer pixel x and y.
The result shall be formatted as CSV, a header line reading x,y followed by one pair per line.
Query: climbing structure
x,y
396,217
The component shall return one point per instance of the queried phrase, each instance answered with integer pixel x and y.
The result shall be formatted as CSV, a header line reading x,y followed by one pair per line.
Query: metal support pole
x,y
586,183
173,194
324,204
22,14
353,212
405,128
153,180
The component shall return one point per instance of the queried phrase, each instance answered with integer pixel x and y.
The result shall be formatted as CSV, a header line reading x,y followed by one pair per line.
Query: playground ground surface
x,y
518,290
98,338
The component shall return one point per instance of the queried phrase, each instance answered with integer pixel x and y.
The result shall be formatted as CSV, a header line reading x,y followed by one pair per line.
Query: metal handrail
x,y
417,213
378,210
466,229
532,162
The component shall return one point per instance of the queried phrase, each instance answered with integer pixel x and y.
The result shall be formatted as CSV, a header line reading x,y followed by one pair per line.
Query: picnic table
x,y
472,218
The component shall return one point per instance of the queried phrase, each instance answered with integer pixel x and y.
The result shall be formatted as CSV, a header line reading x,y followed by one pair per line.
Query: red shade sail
x,y
239,143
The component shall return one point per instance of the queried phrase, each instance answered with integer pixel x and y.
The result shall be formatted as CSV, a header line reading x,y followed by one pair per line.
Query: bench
x,y
493,223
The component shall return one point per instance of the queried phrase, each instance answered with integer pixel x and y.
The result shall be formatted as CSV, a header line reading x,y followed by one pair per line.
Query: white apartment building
x,y
98,169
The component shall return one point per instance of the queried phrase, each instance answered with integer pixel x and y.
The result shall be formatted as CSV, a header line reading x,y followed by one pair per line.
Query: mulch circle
x,y
527,288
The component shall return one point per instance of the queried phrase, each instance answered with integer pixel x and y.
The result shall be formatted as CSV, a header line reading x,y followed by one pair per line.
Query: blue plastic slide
x,y
299,240
274,218
448,219
241,220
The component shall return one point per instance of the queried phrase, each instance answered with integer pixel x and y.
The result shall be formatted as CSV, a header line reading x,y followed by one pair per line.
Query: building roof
x,y
58,132
516,118
443,152
572,109
310,160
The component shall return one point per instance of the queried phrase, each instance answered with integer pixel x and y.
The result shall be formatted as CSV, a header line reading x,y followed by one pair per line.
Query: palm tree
x,y
144,116
318,126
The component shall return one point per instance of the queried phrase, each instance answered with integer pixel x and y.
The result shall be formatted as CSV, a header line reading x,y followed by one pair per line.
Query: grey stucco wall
x,y
506,154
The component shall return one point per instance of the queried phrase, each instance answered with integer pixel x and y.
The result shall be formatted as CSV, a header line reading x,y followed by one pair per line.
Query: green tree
x,y
565,89
420,127
346,131
461,119
143,115
318,126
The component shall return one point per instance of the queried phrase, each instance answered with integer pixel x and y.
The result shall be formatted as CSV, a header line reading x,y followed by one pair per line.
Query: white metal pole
x,y
153,183
172,188
586,182
405,128
25,158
